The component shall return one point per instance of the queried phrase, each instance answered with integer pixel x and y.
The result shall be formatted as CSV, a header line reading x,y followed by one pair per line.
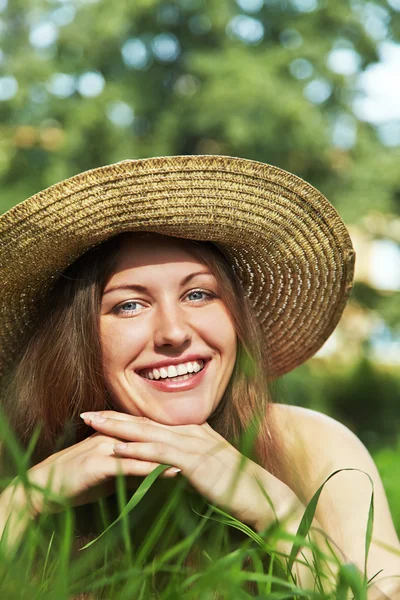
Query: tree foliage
x,y
246,78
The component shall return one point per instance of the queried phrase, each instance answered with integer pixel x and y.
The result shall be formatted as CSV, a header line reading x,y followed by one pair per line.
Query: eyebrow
x,y
143,289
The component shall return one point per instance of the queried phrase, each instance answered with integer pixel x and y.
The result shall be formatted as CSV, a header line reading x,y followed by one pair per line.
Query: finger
x,y
113,414
106,467
153,452
142,468
189,429
99,442
132,430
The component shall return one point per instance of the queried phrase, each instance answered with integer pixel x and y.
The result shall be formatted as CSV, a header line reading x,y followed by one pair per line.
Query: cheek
x,y
219,332
120,343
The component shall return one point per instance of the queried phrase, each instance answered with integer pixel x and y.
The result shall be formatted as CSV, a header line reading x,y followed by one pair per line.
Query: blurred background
x,y
311,86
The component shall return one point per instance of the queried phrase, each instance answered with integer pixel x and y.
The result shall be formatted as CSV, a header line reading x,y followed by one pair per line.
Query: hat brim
x,y
288,245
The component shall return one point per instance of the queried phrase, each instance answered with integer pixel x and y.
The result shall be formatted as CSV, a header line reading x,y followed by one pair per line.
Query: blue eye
x,y
200,295
127,307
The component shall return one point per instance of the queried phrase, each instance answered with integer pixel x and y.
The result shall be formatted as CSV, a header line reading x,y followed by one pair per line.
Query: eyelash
x,y
118,309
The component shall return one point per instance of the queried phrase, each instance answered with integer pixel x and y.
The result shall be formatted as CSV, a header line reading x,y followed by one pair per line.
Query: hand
x,y
81,474
210,463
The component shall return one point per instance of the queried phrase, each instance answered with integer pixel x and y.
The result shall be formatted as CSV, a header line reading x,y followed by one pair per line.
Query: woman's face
x,y
162,320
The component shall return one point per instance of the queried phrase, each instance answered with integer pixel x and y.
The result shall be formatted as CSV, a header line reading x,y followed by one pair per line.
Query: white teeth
x,y
182,370
172,372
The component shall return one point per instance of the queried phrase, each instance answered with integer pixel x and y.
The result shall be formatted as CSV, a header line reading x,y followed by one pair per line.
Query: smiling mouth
x,y
178,372
178,377
169,379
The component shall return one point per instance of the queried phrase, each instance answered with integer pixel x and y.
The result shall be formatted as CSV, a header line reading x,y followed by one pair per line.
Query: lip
x,y
173,361
169,385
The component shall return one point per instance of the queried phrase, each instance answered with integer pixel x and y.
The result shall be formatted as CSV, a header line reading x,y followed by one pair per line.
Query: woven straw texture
x,y
287,243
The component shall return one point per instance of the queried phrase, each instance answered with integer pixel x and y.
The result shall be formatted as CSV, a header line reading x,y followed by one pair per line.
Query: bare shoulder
x,y
303,425
318,445
287,414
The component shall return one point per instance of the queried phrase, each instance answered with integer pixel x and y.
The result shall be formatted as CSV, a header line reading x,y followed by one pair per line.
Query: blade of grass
x,y
46,560
370,524
157,529
124,522
309,513
134,501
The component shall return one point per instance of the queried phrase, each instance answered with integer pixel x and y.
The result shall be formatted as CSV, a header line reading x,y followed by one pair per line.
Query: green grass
x,y
388,462
141,545
231,558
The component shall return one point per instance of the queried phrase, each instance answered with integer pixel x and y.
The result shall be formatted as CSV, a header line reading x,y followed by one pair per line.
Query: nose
x,y
172,328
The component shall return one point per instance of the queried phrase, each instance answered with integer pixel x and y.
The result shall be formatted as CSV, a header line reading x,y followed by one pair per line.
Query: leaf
x,y
309,513
134,501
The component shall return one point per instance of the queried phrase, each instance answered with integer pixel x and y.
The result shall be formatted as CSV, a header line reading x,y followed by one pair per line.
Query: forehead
x,y
140,251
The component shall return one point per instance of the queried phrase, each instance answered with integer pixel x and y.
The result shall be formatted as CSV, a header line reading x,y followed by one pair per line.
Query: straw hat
x,y
287,243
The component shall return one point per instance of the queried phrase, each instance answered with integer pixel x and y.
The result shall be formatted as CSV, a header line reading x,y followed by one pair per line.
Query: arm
x,y
211,465
342,510
79,474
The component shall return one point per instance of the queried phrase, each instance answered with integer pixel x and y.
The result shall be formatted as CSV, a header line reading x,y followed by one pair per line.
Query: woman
x,y
155,300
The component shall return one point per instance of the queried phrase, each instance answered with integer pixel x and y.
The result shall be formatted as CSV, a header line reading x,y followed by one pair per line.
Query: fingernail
x,y
98,418
120,446
86,415
174,470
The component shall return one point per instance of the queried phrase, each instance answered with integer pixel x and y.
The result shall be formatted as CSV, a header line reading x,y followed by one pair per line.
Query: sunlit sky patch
x,y
301,68
43,34
344,61
247,29
251,6
344,131
380,87
389,133
8,87
385,344
166,47
304,6
318,90
135,54
63,15
62,85
90,84
384,266
120,113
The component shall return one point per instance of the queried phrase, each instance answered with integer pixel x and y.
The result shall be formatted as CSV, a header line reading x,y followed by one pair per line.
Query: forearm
x,y
289,511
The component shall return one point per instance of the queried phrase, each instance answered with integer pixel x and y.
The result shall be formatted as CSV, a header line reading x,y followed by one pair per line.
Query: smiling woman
x,y
162,331
162,308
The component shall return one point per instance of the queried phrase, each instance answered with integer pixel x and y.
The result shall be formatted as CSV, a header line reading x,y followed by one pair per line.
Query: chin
x,y
182,414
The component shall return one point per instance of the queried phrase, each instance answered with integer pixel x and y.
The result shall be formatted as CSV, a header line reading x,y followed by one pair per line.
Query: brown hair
x,y
59,374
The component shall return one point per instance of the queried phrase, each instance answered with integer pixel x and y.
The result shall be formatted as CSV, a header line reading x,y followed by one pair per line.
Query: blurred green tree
x,y
89,83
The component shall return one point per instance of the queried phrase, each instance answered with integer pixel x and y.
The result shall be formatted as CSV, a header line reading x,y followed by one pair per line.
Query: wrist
x,y
279,504
19,500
